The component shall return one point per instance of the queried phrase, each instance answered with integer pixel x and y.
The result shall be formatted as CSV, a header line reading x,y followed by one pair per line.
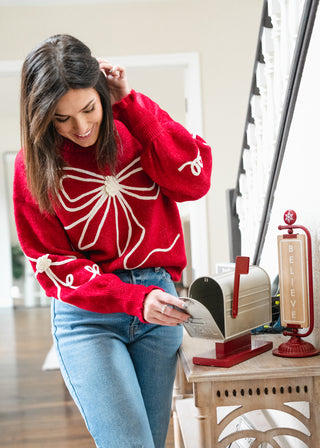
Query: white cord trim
x,y
196,165
112,191
44,263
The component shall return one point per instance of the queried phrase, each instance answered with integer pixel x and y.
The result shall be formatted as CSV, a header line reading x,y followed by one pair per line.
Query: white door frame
x,y
197,210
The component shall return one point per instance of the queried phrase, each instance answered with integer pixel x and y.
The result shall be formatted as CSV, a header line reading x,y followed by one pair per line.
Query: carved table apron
x,y
200,416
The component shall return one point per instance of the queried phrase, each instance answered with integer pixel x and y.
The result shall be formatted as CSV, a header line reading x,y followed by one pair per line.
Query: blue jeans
x,y
119,371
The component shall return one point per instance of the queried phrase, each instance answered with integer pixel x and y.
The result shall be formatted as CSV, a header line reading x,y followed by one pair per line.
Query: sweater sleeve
x,y
179,162
64,273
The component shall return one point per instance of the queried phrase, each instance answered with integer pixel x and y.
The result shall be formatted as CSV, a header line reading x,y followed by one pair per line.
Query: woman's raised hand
x,y
117,80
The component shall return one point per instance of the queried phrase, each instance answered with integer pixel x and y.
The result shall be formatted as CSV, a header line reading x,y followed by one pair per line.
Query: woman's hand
x,y
158,309
117,80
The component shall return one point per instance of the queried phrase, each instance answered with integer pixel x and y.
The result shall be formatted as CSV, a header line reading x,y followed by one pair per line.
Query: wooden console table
x,y
209,402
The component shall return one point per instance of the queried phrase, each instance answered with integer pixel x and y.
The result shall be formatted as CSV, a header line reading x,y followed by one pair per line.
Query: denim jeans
x,y
118,370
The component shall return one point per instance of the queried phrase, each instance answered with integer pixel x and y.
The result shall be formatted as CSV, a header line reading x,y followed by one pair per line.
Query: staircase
x,y
283,40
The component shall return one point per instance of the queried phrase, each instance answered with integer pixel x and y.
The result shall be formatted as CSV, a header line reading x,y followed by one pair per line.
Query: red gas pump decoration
x,y
296,289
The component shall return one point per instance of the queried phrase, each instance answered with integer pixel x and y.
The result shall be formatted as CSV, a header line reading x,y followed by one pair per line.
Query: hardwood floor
x,y
36,410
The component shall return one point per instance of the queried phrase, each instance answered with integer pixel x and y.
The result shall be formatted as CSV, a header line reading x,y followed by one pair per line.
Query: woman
x,y
95,192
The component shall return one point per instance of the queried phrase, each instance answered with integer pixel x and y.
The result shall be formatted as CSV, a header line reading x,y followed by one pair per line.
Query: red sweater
x,y
126,221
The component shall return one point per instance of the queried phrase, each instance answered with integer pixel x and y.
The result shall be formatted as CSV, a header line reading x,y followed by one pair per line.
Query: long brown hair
x,y
59,64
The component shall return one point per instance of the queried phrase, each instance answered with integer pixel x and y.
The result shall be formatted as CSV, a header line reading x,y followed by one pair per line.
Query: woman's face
x,y
78,116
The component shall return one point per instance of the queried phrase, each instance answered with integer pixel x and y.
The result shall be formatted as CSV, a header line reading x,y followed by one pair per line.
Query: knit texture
x,y
106,222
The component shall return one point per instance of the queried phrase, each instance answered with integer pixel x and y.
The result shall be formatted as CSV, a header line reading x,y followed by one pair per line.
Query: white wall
x,y
224,33
299,182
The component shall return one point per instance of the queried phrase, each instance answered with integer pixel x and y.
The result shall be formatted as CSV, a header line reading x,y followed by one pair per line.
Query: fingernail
x,y
185,306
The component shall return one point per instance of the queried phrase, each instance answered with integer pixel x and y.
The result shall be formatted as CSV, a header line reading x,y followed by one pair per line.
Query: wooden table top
x,y
265,365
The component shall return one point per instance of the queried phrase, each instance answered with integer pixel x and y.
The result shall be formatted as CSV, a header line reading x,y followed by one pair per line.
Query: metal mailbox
x,y
217,296
226,308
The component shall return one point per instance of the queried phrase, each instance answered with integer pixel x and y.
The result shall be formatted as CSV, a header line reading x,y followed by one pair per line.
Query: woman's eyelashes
x,y
89,110
63,120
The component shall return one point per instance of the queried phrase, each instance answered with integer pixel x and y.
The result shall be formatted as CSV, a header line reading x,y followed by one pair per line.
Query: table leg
x,y
315,412
203,394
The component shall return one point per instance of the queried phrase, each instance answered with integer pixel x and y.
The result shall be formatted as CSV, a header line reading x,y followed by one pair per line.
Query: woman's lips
x,y
86,135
